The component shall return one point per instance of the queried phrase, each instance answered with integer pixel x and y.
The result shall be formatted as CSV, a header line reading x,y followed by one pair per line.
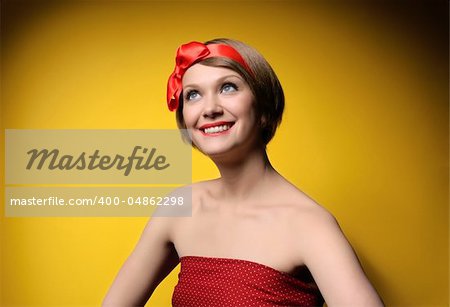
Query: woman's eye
x,y
229,87
191,95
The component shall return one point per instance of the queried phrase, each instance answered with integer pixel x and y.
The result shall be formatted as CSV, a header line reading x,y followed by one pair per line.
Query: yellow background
x,y
365,131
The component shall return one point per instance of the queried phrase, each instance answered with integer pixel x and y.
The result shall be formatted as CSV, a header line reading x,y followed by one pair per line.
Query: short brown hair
x,y
263,82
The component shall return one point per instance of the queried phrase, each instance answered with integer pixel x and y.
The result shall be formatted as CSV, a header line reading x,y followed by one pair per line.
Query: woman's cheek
x,y
187,119
190,115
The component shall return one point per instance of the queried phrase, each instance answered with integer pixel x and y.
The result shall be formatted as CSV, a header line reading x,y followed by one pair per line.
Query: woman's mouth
x,y
216,128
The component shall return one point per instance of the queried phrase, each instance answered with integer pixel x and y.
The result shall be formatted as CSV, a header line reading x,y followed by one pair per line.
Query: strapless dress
x,y
211,282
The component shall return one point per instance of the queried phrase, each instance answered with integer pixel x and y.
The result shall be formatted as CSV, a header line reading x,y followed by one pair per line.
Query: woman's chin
x,y
213,152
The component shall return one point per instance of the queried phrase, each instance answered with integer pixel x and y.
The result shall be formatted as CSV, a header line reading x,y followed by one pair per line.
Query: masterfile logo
x,y
95,160
97,156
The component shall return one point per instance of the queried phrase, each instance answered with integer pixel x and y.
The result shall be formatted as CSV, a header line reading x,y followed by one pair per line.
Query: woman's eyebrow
x,y
229,76
218,80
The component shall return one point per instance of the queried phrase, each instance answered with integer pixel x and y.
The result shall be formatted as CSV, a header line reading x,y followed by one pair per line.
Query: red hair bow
x,y
189,54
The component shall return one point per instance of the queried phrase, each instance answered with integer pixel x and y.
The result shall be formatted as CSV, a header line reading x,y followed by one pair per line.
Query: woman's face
x,y
218,110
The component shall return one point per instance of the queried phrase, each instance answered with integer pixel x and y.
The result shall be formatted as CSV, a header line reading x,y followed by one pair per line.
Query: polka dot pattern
x,y
210,282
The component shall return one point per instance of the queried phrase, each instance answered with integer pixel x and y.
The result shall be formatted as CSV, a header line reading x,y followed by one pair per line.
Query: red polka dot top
x,y
210,282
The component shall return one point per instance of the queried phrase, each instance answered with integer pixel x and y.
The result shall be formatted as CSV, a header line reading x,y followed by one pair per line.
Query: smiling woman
x,y
218,110
254,239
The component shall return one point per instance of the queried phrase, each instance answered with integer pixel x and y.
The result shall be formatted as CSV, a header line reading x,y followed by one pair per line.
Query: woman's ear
x,y
263,121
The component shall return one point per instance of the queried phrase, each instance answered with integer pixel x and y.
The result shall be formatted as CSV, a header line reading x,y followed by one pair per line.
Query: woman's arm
x,y
152,259
335,266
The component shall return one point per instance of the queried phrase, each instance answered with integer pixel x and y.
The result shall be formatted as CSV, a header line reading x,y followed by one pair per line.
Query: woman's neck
x,y
244,178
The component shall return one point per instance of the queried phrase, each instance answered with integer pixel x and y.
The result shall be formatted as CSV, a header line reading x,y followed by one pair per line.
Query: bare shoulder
x,y
167,221
321,245
311,225
199,188
305,209
203,192
188,198
176,206
313,215
181,200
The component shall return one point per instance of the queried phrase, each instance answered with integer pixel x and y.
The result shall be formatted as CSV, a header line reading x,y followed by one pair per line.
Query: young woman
x,y
253,239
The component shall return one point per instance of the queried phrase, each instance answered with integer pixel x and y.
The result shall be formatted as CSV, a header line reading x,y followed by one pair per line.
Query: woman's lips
x,y
217,128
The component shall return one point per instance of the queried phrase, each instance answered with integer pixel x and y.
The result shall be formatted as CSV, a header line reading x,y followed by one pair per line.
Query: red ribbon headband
x,y
191,53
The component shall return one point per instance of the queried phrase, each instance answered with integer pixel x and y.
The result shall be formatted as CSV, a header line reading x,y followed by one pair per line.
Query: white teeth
x,y
217,129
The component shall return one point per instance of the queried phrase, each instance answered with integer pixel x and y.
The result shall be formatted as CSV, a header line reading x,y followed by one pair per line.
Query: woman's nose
x,y
212,107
